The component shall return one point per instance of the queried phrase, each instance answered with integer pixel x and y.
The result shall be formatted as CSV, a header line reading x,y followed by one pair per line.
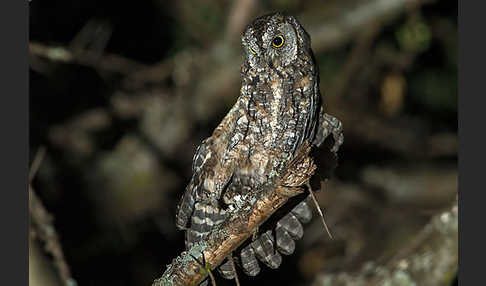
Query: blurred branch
x,y
355,60
431,258
106,62
402,135
328,34
238,18
94,36
41,272
425,185
39,156
42,227
336,32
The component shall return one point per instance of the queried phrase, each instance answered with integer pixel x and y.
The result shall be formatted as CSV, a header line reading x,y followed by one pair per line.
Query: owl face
x,y
274,40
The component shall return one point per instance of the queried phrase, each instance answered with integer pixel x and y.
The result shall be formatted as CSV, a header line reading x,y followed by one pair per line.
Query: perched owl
x,y
278,110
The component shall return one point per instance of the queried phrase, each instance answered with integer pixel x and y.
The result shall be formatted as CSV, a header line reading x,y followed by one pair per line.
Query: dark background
x,y
121,94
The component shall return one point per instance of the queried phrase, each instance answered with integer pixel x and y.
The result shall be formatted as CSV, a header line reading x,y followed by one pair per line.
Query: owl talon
x,y
329,124
335,127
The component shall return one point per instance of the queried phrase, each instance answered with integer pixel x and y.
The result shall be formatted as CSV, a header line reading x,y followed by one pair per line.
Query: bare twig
x,y
234,270
319,210
107,62
239,16
94,36
41,223
211,276
335,32
39,156
204,265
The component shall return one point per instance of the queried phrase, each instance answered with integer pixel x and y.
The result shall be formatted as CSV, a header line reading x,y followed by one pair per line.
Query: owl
x,y
278,110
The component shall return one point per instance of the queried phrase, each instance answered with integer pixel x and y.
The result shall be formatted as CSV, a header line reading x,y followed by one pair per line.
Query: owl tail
x,y
204,218
184,210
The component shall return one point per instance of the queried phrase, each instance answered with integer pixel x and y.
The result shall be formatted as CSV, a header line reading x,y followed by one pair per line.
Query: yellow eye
x,y
278,41
252,51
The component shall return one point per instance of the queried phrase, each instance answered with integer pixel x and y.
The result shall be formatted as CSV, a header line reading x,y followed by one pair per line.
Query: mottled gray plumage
x,y
278,110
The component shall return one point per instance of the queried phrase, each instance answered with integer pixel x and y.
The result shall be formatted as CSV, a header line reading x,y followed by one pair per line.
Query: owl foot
x,y
336,129
329,124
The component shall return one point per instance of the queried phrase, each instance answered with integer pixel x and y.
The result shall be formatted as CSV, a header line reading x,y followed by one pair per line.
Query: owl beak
x,y
272,62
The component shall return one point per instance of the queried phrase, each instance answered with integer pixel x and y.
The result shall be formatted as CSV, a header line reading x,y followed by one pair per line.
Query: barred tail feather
x,y
292,225
249,263
226,270
265,250
204,218
303,211
184,210
285,243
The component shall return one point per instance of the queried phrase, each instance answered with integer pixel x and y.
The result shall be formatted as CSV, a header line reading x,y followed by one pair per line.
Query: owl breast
x,y
276,111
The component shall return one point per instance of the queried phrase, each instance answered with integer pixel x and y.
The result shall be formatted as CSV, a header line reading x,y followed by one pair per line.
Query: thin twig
x,y
41,222
206,268
39,156
211,276
107,62
319,210
234,270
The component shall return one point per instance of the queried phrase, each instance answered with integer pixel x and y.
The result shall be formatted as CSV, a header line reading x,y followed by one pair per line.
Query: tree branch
x,y
41,225
104,62
430,258
187,269
335,32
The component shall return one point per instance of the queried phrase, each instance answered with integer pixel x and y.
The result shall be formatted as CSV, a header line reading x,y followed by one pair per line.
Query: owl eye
x,y
278,41
252,51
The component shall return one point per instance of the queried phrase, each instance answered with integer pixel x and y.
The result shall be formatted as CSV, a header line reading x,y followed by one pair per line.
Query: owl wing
x,y
185,207
198,210
198,213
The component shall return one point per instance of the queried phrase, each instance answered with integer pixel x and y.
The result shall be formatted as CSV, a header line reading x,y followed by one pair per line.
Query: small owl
x,y
279,109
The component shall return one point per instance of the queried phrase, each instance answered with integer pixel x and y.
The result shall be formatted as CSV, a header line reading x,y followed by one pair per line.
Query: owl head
x,y
274,39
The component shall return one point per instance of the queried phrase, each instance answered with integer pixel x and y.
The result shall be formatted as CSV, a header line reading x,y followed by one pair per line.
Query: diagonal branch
x,y
242,223
42,227
41,224
184,270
